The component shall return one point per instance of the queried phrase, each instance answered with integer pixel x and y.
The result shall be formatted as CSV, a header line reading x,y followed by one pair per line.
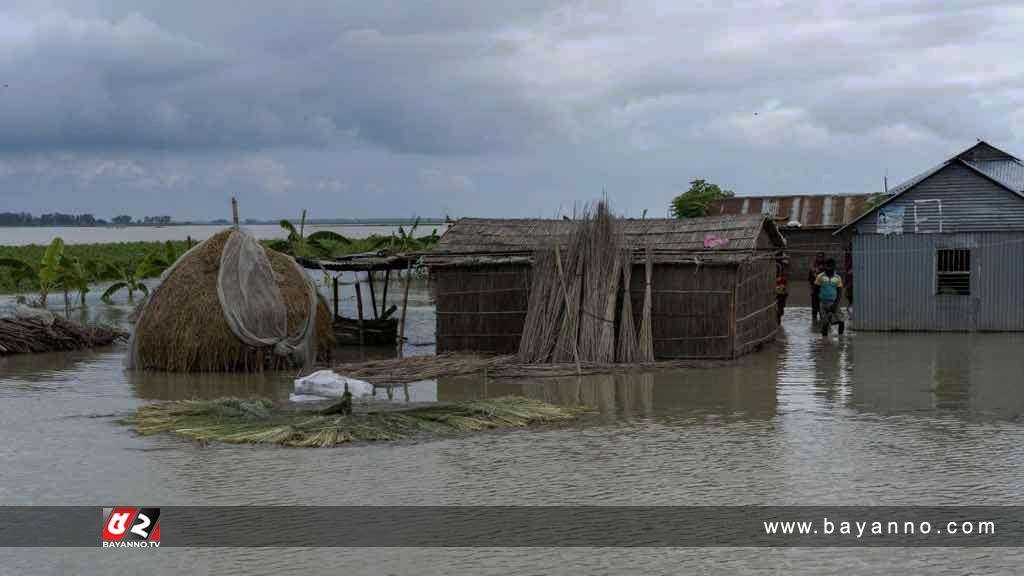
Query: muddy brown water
x,y
870,419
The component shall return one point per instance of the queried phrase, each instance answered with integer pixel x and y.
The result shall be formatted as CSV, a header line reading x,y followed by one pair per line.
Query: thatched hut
x,y
712,289
183,326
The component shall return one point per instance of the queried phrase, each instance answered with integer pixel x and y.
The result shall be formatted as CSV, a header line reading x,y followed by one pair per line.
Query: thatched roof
x,y
726,238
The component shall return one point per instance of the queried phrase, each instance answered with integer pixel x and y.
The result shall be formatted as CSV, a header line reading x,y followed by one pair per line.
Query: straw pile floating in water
x,y
257,421
417,368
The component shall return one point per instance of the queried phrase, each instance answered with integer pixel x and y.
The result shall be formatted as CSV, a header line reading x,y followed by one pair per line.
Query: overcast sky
x,y
521,108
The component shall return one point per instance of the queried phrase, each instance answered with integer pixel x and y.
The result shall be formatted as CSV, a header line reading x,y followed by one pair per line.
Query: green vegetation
x,y
55,269
695,202
403,241
875,199
322,243
83,264
132,278
128,263
258,421
325,243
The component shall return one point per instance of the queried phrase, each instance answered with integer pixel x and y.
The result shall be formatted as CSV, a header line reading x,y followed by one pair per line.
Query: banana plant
x,y
130,279
299,245
166,257
50,269
45,275
403,241
160,260
74,276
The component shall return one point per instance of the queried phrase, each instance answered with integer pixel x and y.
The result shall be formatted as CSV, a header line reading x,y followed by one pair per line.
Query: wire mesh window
x,y
953,272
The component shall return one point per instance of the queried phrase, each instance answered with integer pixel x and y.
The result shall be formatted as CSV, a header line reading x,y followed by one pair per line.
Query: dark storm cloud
x,y
138,80
490,107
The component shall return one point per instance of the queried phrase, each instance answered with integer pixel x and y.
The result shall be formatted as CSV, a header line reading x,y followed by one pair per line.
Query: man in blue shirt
x,y
830,289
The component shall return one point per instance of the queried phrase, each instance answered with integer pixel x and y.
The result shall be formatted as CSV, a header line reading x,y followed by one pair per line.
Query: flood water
x,y
871,419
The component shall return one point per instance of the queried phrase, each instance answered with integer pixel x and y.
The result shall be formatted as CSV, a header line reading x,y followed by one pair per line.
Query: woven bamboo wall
x,y
755,305
691,309
483,307
480,308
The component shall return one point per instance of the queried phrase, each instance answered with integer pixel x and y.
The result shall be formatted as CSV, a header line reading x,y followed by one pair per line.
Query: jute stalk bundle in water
x,y
602,250
544,310
645,349
627,329
567,343
606,343
573,298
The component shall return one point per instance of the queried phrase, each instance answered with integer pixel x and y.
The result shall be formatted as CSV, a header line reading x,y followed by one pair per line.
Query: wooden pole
x,y
405,305
565,295
373,298
234,211
359,309
334,285
384,297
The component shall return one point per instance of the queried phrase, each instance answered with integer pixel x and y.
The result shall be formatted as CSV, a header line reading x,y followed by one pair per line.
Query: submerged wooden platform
x,y
374,327
380,332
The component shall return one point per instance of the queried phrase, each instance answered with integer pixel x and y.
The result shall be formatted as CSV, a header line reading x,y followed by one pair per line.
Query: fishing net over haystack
x,y
229,304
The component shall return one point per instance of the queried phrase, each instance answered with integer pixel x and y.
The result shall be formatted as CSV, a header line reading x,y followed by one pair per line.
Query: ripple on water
x,y
866,419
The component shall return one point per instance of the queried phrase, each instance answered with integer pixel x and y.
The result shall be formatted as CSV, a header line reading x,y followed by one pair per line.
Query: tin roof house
x,y
808,222
944,252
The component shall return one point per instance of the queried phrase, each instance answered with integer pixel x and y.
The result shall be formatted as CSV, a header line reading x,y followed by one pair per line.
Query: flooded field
x,y
20,236
870,419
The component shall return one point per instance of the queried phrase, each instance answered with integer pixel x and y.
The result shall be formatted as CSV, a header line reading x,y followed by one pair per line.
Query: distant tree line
x,y
59,219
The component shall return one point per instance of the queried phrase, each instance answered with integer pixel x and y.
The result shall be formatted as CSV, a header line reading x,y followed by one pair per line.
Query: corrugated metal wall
x,y
895,278
955,199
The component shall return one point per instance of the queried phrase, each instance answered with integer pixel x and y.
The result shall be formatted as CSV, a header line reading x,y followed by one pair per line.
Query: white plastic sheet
x,y
329,384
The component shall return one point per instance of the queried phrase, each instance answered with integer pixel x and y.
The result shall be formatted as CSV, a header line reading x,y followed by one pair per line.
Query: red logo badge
x,y
131,527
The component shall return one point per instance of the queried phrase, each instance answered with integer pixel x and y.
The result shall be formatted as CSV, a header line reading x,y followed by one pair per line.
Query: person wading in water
x,y
781,288
830,289
817,267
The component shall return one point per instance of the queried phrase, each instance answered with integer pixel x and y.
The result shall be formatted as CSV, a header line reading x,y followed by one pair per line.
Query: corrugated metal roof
x,y
916,179
734,235
985,158
811,211
1004,168
1009,172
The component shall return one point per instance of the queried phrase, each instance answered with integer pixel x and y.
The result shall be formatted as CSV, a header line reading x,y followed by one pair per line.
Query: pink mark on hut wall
x,y
715,241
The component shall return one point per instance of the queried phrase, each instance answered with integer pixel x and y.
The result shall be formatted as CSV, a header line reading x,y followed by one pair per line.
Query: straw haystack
x,y
183,327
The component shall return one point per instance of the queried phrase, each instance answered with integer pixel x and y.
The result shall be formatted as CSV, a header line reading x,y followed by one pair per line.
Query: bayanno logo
x,y
131,527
